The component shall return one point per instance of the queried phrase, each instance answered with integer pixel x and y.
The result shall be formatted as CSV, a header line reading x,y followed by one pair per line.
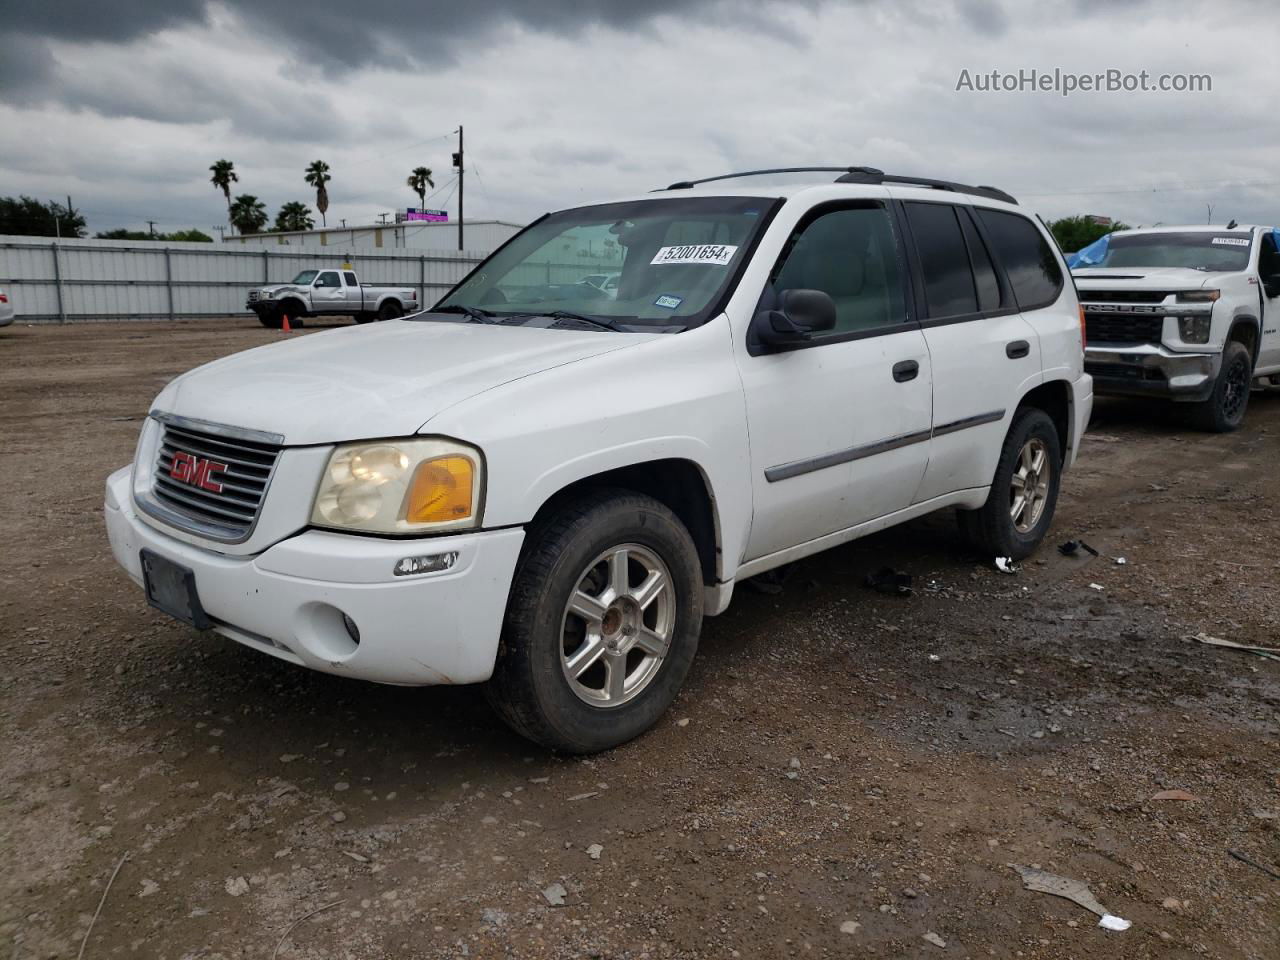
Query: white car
x,y
551,501
7,312
1190,314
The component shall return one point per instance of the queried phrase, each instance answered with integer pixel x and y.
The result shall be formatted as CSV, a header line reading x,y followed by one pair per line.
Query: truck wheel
x,y
602,623
389,311
269,319
1224,410
1024,492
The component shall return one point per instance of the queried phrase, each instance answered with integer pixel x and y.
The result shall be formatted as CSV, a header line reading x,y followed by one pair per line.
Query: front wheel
x,y
1024,491
1224,410
602,623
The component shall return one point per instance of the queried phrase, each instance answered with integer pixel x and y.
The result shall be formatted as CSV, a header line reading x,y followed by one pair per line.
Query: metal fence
x,y
64,280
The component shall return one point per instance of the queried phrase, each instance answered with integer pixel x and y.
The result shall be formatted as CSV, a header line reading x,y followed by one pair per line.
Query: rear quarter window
x,y
1028,260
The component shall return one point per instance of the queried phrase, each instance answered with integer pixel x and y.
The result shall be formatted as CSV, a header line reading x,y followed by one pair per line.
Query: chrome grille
x,y
245,468
253,295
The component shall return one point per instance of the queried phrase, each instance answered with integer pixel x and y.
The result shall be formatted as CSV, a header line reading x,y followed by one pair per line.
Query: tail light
x,y
3,298
1084,336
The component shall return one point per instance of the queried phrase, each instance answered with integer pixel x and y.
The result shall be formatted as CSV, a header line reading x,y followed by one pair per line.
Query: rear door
x,y
839,425
984,355
354,294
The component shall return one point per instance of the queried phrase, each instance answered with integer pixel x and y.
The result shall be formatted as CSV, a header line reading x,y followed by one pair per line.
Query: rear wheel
x,y
390,310
1225,408
1024,491
602,624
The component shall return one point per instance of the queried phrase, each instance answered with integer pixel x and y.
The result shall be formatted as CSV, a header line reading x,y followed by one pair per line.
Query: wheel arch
x,y
292,305
1054,398
679,484
1247,330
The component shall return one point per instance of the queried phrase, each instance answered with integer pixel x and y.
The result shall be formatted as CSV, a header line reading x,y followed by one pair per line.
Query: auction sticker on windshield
x,y
1233,241
714,253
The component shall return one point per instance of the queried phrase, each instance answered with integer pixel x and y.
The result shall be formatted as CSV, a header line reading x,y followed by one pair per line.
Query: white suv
x,y
551,501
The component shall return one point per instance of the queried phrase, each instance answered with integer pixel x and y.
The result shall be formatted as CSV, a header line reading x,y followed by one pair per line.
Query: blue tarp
x,y
1092,255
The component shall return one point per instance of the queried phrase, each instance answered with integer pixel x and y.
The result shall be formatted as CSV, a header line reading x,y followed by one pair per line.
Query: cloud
x,y
567,103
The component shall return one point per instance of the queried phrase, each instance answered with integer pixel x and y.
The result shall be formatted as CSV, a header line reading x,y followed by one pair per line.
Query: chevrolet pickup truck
x,y
548,498
314,293
1189,314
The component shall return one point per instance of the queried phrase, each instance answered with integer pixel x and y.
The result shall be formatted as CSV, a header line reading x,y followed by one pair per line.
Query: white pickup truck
x,y
1190,314
315,293
550,501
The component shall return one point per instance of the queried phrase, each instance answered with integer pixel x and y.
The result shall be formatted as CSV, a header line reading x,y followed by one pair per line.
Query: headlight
x,y
1195,329
400,486
270,294
1199,296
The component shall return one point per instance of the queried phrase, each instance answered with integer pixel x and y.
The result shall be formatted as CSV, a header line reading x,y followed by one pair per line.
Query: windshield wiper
x,y
598,321
473,314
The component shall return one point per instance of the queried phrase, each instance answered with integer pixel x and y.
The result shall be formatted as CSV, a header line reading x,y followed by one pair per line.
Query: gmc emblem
x,y
196,471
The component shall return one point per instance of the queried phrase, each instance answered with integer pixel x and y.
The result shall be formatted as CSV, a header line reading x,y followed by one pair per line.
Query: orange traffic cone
x,y
284,324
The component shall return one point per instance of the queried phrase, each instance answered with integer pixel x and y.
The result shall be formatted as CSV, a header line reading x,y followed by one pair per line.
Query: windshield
x,y
1199,250
305,277
646,263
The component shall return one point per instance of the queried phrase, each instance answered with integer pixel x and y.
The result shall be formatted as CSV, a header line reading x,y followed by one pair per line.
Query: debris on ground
x,y
1121,561
1073,890
850,926
236,886
1072,547
888,580
1006,565
1244,858
1096,586
1271,653
555,894
584,796
1173,795
594,851
936,940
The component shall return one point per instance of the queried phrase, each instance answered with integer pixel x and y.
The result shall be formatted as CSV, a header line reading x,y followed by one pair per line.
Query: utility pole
x,y
382,218
151,228
457,162
222,233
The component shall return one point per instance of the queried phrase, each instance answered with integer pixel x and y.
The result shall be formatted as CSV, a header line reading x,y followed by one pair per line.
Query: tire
x,y
1224,410
365,318
269,319
294,310
390,310
992,528
574,555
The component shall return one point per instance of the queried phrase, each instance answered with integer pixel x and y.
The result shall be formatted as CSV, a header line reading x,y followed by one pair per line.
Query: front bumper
x,y
1151,370
289,600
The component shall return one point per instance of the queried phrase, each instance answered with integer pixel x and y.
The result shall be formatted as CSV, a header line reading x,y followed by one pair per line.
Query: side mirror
x,y
800,314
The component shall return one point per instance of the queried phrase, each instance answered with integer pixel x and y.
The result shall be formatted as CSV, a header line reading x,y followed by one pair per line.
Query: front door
x,y
838,428
327,293
1269,297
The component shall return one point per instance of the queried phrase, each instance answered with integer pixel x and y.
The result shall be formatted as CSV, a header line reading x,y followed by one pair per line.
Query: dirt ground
x,y
845,773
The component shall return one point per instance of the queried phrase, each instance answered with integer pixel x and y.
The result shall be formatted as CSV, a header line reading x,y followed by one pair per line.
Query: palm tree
x,y
418,182
294,216
224,174
317,176
248,214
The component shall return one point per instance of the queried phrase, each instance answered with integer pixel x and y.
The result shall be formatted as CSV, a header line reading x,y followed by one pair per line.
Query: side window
x,y
851,255
984,274
1026,256
328,279
944,260
351,279
1269,257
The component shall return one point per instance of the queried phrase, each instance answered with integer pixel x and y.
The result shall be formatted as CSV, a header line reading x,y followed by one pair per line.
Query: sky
x,y
124,105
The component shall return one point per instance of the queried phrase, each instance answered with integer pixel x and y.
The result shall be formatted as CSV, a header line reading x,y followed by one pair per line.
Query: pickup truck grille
x,y
253,295
235,474
1122,328
1123,296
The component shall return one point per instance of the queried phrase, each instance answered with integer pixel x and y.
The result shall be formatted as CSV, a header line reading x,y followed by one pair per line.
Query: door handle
x,y
905,370
1017,349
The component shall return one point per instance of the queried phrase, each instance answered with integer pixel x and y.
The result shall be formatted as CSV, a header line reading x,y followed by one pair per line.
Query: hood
x,y
278,287
385,380
1144,278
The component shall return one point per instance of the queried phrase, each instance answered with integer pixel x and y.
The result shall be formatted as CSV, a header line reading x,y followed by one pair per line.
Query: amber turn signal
x,y
441,490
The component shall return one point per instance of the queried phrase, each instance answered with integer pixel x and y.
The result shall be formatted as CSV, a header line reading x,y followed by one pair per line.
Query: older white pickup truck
x,y
315,293
1190,314
548,497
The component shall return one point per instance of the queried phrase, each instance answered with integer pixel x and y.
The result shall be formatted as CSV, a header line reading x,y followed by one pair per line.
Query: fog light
x,y
431,563
1195,329
352,630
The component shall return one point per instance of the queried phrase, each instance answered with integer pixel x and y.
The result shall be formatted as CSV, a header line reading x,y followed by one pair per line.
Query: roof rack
x,y
861,175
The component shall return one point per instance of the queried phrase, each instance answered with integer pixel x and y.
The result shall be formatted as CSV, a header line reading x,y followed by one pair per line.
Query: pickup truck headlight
x,y
400,486
1199,296
1195,328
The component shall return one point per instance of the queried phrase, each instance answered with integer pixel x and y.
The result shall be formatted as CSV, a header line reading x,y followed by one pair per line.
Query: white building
x,y
479,236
